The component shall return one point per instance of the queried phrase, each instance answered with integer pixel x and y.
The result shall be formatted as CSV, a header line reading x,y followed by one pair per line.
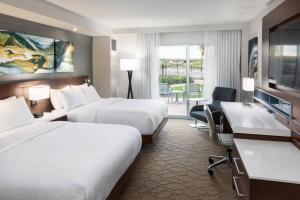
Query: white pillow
x,y
14,113
9,99
85,85
90,94
73,98
56,98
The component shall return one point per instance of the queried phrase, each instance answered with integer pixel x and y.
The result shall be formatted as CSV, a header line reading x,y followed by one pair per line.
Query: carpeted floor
x,y
175,167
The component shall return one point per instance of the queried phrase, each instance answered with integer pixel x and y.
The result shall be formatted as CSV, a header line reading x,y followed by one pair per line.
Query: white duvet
x,y
64,160
145,115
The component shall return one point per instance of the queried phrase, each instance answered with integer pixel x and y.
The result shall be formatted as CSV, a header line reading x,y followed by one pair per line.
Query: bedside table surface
x,y
51,116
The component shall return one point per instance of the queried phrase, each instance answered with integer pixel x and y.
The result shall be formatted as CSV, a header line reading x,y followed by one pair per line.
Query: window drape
x,y
146,79
222,60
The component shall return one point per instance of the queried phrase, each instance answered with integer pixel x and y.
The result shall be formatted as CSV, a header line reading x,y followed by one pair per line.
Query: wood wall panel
x,y
286,12
21,89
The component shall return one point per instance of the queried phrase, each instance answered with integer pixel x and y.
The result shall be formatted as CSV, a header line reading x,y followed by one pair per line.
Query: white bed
x,y
145,115
64,160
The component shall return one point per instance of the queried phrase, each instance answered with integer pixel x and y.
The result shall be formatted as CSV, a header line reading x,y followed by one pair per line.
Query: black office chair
x,y
219,94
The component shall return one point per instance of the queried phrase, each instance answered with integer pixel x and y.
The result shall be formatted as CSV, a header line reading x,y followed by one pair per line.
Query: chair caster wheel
x,y
210,172
211,161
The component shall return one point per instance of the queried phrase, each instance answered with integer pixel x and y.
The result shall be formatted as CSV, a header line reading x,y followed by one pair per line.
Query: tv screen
x,y
284,56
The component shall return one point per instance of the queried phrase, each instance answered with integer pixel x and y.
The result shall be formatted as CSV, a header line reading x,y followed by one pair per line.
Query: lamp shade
x,y
39,92
128,64
248,84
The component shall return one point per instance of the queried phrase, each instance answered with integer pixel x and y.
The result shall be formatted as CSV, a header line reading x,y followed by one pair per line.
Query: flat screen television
x,y
284,55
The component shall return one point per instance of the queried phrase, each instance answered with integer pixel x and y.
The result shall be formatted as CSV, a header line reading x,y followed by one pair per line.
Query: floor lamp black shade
x,y
129,93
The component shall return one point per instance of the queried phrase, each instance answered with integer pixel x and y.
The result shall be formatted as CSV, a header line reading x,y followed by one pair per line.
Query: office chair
x,y
219,94
221,139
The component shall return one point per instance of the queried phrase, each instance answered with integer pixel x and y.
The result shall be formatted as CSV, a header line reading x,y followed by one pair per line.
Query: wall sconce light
x,y
88,81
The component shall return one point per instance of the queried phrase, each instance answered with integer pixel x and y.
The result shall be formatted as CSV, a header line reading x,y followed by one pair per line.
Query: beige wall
x,y
108,79
102,65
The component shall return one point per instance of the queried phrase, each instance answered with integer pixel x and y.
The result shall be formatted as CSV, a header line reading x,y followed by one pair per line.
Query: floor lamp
x,y
129,65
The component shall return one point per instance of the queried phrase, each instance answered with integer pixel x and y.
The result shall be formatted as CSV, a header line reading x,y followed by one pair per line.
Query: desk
x,y
253,121
266,170
261,160
262,169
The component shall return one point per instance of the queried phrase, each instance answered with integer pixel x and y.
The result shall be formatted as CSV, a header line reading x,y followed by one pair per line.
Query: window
x,y
181,67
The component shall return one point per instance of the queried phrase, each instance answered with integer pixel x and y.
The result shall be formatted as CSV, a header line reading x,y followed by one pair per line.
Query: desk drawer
x,y
240,179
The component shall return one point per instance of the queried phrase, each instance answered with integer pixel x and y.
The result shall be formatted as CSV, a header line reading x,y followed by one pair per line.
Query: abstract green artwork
x,y
64,56
23,53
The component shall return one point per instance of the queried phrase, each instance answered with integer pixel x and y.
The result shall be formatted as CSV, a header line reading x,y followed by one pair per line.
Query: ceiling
x,y
120,14
46,13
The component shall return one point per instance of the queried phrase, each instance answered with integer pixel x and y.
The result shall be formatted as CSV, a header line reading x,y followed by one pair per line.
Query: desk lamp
x,y
248,86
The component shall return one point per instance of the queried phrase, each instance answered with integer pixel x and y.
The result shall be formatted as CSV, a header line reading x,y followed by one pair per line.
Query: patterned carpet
x,y
175,167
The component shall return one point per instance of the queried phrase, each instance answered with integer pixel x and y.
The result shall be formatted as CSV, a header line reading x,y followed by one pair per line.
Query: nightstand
x,y
55,115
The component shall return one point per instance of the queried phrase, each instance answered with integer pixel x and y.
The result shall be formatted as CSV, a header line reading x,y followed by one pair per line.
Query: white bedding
x,y
145,115
64,160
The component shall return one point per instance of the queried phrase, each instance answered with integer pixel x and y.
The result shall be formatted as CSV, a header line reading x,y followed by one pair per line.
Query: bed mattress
x,y
145,115
64,160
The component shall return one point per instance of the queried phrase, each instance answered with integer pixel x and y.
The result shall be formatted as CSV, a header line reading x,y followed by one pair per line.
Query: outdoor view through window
x,y
181,76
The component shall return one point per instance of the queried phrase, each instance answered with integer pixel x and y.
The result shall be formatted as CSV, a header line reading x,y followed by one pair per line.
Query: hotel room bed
x,y
148,116
64,160
145,115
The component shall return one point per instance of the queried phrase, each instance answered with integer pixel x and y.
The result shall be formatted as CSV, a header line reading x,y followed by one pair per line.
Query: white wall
x,y
126,48
127,42
181,38
181,29
255,30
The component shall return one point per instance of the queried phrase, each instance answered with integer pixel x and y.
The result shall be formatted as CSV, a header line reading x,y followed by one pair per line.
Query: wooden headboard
x,y
22,88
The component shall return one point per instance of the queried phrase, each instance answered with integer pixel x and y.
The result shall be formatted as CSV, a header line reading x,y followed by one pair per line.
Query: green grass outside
x,y
181,87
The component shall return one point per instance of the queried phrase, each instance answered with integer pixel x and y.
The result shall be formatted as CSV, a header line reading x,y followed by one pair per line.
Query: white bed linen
x,y
145,115
64,160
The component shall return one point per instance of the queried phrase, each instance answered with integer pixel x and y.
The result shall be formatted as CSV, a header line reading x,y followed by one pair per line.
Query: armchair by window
x,y
219,94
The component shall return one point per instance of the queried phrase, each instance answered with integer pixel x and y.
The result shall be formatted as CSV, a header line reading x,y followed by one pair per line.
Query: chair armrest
x,y
216,111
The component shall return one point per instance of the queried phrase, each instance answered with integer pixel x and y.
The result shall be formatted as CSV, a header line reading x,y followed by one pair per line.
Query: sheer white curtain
x,y
146,79
222,60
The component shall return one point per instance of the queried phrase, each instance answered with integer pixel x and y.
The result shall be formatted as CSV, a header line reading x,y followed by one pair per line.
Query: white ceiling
x,y
46,13
119,14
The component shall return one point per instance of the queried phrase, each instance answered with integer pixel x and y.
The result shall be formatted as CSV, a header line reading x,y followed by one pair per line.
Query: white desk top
x,y
50,116
253,120
269,160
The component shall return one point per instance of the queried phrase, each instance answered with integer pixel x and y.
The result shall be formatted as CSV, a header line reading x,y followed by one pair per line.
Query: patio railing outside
x,y
173,87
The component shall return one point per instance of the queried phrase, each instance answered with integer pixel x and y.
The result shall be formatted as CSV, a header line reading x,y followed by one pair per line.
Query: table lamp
x,y
129,65
37,94
248,86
